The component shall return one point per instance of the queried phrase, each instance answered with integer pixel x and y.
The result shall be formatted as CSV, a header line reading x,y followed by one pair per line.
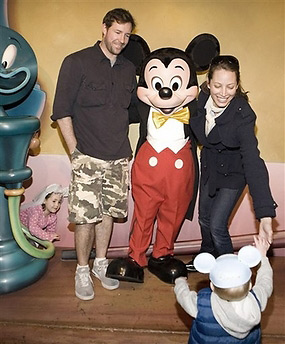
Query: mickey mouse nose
x,y
165,93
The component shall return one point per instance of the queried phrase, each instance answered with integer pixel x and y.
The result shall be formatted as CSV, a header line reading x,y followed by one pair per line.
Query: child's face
x,y
53,203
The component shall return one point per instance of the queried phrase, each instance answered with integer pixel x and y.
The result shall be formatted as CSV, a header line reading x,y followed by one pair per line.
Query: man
x,y
91,103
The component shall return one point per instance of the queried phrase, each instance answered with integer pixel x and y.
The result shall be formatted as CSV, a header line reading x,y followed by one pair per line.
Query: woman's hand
x,y
265,229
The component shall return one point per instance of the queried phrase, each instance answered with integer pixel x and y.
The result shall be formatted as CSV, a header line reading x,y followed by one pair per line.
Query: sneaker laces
x,y
102,266
84,278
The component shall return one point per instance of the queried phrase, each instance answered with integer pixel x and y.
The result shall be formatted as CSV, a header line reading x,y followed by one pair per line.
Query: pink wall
x,y
48,169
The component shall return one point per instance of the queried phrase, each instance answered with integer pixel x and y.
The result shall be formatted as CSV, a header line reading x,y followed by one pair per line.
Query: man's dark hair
x,y
120,15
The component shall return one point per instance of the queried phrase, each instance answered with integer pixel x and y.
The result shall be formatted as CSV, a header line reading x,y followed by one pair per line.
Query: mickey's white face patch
x,y
167,86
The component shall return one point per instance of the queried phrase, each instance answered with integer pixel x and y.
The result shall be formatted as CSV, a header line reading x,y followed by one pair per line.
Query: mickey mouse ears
x,y
249,255
204,262
136,51
229,270
202,49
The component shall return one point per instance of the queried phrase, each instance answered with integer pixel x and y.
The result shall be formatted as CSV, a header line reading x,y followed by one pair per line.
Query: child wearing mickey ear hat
x,y
230,310
40,215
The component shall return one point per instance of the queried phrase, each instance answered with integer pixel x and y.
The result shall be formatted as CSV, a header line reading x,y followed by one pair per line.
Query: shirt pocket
x,y
125,95
92,94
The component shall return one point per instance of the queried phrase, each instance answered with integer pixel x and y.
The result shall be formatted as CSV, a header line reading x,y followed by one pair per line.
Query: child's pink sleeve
x,y
51,227
35,224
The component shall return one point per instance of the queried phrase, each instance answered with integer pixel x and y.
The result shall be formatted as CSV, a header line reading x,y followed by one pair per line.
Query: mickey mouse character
x,y
165,170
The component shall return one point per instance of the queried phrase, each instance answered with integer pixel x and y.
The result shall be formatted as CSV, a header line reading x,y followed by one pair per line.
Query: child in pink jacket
x,y
40,216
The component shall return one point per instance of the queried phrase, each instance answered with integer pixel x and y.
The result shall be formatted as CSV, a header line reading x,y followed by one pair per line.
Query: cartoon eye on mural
x,y
165,169
21,262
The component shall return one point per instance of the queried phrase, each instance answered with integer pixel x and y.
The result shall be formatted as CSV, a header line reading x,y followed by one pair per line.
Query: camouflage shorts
x,y
97,188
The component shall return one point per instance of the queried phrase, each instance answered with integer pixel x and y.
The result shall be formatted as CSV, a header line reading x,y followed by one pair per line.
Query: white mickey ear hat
x,y
39,199
56,188
229,270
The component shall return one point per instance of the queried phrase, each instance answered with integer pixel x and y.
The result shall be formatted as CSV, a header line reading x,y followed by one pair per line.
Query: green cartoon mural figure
x,y
21,263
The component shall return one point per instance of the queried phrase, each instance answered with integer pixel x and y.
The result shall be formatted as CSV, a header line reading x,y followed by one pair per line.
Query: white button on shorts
x,y
179,164
153,161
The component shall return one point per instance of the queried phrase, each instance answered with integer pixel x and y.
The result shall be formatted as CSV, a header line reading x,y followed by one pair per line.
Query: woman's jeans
x,y
214,214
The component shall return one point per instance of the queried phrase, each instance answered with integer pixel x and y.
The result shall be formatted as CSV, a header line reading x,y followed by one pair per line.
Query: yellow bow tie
x,y
182,115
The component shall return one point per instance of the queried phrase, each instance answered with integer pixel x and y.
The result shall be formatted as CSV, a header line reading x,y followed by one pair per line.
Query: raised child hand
x,y
261,244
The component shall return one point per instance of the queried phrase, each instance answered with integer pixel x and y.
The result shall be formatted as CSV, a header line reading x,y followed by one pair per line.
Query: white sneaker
x,y
99,271
83,284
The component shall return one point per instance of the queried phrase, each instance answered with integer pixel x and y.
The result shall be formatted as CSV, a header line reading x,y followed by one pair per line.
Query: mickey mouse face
x,y
168,79
167,85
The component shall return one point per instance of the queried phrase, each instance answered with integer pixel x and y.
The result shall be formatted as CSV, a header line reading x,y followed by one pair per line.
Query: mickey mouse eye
x,y
9,56
175,83
156,83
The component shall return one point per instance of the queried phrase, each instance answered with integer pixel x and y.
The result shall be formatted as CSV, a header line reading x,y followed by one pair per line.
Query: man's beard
x,y
115,50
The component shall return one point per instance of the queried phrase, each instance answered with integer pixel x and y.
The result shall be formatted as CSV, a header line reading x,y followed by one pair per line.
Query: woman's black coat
x,y
230,157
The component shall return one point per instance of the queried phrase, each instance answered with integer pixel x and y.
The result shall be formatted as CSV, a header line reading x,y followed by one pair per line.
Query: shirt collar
x,y
103,57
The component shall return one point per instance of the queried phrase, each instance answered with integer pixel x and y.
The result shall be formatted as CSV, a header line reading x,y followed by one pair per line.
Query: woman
x,y
224,126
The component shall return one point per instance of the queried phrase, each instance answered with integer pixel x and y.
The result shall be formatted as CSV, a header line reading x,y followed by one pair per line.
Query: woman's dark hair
x,y
226,62
120,15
